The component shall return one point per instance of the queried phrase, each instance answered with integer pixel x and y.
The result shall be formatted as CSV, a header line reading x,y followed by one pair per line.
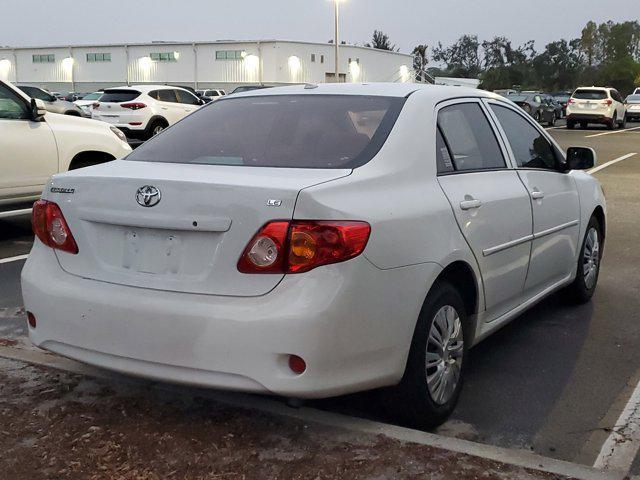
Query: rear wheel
x,y
584,125
552,121
432,381
614,122
588,268
571,124
623,123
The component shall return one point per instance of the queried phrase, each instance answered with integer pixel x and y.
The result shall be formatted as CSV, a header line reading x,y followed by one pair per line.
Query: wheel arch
x,y
598,213
88,158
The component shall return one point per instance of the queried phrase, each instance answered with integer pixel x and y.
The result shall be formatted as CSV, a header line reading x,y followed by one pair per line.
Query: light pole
x,y
336,38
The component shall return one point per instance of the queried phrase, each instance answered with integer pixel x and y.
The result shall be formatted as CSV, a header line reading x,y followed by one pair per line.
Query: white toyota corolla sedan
x,y
311,241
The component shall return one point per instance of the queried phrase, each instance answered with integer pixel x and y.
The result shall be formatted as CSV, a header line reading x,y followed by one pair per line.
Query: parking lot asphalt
x,y
555,380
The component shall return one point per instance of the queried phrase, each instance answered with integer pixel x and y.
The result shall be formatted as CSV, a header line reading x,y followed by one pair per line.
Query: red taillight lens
x,y
51,228
300,246
297,364
133,106
570,101
608,102
95,104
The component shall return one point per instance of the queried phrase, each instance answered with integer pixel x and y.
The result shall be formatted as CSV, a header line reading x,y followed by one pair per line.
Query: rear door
x,y
554,199
489,201
169,106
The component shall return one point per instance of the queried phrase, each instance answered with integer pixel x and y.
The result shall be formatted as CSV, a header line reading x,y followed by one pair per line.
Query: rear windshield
x,y
92,96
118,96
518,98
583,94
297,131
633,99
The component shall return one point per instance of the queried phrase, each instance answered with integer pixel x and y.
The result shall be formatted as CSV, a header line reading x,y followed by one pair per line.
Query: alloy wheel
x,y
157,129
445,348
591,258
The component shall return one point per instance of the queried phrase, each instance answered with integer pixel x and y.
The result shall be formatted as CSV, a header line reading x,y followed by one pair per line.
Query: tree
x,y
420,61
462,58
589,42
381,41
558,66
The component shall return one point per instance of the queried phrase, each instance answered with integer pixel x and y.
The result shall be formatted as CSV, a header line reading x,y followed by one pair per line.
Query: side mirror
x,y
38,109
580,158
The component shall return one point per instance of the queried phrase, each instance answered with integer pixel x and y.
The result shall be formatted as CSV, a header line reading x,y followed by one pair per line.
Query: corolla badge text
x,y
148,196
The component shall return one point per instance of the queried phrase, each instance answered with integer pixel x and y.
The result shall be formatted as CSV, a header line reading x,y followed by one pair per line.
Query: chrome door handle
x,y
537,195
469,204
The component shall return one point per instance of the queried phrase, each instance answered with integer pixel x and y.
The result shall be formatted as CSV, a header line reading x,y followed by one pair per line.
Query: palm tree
x,y
420,61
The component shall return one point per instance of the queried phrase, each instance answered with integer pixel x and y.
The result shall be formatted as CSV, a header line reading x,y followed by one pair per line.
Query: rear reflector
x,y
51,228
31,319
135,123
297,364
302,245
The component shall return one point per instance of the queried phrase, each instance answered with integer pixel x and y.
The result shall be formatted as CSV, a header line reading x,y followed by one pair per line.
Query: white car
x,y
34,146
632,103
142,111
596,105
214,94
320,240
86,102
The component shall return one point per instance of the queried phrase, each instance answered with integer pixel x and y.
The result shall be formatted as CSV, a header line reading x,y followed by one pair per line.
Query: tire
x,y
588,265
571,124
155,127
552,121
537,116
623,123
614,122
584,125
420,405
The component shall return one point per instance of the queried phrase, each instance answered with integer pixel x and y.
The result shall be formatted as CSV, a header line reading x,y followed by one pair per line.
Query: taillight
x,y
133,105
302,245
570,101
608,102
51,228
95,104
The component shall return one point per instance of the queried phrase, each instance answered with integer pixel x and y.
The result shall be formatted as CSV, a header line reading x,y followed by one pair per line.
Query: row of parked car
x,y
586,105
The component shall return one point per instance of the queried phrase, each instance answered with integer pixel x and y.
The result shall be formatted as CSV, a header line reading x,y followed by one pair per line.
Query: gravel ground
x,y
55,425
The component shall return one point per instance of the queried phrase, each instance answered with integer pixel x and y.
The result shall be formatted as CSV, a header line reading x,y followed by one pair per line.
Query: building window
x,y
321,58
313,57
164,57
230,54
49,58
98,57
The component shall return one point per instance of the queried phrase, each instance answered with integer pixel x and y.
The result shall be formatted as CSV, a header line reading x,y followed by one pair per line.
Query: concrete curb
x,y
516,458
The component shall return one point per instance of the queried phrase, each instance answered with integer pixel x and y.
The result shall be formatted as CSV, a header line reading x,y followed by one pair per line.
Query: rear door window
x,y
590,94
530,148
470,138
297,131
167,96
119,96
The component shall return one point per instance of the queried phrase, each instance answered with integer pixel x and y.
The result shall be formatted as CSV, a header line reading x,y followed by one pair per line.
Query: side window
x,y
186,97
470,138
153,94
11,106
443,158
167,96
530,148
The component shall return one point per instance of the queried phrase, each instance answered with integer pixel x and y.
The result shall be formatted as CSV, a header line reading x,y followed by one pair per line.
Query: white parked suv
x,y
596,105
212,94
318,241
35,144
142,111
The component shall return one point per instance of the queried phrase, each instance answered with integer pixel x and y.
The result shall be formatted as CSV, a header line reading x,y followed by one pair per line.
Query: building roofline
x,y
197,42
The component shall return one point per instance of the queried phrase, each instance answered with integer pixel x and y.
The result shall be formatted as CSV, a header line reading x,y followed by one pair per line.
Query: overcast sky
x,y
407,22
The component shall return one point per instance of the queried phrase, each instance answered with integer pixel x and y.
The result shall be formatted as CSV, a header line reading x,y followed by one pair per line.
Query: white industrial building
x,y
219,64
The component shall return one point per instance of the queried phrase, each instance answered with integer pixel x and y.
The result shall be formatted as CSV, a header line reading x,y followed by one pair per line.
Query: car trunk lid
x,y
189,237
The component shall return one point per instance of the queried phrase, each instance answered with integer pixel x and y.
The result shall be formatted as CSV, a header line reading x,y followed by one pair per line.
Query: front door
x,y
554,199
28,152
489,202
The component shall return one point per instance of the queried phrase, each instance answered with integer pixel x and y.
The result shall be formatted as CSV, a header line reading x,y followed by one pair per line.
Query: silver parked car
x,y
52,103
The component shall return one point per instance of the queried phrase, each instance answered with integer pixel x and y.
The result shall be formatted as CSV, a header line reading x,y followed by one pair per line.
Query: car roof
x,y
437,92
145,88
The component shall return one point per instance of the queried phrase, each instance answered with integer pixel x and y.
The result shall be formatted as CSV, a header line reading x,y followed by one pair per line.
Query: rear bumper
x,y
351,322
589,117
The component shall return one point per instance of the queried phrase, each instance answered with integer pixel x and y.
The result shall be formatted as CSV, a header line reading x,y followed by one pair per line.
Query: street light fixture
x,y
336,39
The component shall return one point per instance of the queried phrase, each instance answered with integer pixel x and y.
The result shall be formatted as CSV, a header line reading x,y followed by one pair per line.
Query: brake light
x,y
608,102
302,245
570,101
133,105
51,228
95,104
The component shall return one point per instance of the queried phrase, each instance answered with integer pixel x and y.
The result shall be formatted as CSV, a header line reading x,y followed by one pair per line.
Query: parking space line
x,y
611,162
611,133
13,259
554,128
619,451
